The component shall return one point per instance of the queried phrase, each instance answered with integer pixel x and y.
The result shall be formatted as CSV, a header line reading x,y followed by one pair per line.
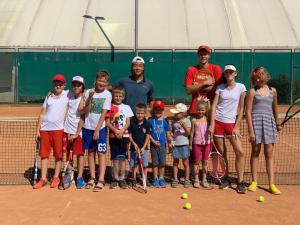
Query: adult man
x,y
201,80
138,89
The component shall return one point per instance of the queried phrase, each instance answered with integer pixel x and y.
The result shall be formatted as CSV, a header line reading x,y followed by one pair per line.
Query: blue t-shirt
x,y
158,130
136,92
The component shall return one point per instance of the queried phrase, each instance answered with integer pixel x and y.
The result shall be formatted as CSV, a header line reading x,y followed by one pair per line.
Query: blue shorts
x,y
118,148
158,155
90,144
134,158
181,152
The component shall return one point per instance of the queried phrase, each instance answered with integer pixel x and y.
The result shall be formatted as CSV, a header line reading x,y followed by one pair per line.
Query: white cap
x,y
179,108
229,67
138,59
78,79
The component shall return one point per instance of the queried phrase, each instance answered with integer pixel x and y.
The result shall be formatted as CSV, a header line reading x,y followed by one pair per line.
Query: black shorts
x,y
118,148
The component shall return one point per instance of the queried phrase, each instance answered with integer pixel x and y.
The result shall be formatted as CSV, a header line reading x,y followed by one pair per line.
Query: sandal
x,y
187,184
90,184
174,183
99,186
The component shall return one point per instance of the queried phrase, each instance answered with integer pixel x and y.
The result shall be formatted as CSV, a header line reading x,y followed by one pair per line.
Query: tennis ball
x,y
188,205
184,196
261,198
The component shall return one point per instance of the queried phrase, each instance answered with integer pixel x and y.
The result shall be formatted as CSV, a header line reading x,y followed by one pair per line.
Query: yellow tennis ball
x,y
261,198
188,205
184,196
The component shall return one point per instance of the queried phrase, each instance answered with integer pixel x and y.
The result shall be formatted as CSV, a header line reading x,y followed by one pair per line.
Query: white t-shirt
x,y
100,102
227,106
55,111
118,115
179,134
73,116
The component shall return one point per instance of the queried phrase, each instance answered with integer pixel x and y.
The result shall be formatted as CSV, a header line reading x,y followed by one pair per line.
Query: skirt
x,y
265,128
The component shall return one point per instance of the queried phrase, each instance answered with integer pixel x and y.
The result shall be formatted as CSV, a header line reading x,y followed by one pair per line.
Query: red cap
x,y
59,77
158,105
205,47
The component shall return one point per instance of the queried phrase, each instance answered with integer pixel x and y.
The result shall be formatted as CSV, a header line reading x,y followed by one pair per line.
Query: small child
x,y
97,103
73,125
181,128
139,136
262,118
200,142
50,129
118,123
160,140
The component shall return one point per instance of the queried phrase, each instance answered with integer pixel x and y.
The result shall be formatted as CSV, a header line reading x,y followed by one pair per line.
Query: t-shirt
x,y
136,92
73,116
226,110
194,75
118,115
138,132
100,102
158,130
55,111
179,134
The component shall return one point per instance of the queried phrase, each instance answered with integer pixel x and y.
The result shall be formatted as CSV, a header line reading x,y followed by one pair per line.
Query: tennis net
x,y
17,147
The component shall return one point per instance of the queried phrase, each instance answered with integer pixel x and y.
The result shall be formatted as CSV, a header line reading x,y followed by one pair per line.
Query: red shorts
x,y
51,139
223,129
76,144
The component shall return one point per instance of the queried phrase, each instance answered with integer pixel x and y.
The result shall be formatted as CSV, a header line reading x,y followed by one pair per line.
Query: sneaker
x,y
148,183
80,183
186,183
114,184
274,190
40,184
162,182
174,183
155,183
224,184
196,184
241,188
123,184
253,186
55,182
133,183
205,184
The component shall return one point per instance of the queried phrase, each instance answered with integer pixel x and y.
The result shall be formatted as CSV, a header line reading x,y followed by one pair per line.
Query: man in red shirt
x,y
201,80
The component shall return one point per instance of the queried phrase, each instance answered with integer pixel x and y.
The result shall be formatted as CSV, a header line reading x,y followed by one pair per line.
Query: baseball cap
x,y
158,105
138,59
59,77
78,79
205,47
179,108
229,67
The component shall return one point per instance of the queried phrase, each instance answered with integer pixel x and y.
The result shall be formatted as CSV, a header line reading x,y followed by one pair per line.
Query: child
x,y
200,142
50,129
226,116
181,128
139,135
262,118
118,123
73,126
97,103
160,135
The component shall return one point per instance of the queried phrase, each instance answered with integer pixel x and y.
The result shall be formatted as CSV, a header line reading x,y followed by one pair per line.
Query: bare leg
x,y
204,170
196,170
186,166
44,168
254,160
239,153
80,165
92,164
155,172
57,167
161,171
268,150
175,169
102,166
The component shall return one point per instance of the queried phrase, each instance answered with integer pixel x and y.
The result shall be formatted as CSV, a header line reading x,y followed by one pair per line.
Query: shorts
x,y
200,152
223,129
76,145
90,144
158,155
134,158
118,148
181,152
51,139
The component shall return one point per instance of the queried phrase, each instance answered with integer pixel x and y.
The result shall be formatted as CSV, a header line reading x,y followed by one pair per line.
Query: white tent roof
x,y
162,23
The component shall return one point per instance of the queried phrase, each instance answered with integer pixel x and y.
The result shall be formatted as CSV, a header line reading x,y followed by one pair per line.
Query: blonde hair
x,y
103,73
261,73
118,90
204,103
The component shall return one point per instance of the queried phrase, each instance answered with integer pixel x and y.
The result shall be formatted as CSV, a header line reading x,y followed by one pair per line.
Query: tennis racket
x,y
35,165
216,165
67,174
292,109
142,171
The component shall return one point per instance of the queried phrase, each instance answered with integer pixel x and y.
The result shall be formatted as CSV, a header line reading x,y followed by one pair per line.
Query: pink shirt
x,y
201,136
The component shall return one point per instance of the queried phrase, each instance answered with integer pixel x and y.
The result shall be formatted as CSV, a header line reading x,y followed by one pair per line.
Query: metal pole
x,y
136,26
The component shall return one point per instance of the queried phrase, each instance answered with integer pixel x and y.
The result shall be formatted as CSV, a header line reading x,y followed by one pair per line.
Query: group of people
x,y
85,120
